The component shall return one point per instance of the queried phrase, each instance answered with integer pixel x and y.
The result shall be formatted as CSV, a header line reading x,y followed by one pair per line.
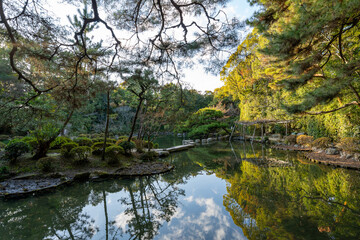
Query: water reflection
x,y
294,202
215,192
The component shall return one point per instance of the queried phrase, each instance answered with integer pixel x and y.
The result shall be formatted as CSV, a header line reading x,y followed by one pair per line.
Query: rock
x,y
348,156
210,140
82,176
203,140
278,136
179,134
163,153
332,151
300,134
184,142
357,157
296,145
197,140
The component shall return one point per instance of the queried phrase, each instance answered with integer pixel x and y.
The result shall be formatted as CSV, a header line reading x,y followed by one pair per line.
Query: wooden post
x,y
253,133
244,132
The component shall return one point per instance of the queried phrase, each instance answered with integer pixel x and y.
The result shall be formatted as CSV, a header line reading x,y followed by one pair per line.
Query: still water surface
x,y
217,191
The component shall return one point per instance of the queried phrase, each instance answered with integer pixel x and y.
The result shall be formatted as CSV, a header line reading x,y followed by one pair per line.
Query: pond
x,y
218,191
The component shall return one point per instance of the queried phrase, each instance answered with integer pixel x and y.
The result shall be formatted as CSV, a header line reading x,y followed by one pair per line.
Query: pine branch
x,y
333,110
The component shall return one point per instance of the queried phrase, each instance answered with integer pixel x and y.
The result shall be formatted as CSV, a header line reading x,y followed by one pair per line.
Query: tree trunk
x,y
106,217
135,118
106,125
42,150
44,146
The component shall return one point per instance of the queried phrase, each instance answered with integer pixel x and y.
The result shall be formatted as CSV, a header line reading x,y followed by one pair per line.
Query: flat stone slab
x,y
19,187
161,152
180,148
31,184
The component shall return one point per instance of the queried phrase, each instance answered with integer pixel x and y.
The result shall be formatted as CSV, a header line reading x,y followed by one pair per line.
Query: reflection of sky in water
x,y
200,214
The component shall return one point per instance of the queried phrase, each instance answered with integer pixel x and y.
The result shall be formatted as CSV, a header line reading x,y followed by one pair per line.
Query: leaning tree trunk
x,y
135,118
106,125
43,148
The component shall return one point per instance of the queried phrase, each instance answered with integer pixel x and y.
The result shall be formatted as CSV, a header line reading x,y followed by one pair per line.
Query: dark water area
x,y
168,141
217,191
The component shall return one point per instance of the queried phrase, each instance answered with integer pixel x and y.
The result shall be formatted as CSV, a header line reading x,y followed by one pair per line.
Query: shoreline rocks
x,y
33,184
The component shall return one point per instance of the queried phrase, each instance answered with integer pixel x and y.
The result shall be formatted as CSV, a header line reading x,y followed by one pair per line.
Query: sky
x,y
196,78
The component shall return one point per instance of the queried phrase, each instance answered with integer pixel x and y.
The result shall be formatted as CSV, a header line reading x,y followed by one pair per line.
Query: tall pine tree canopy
x,y
317,44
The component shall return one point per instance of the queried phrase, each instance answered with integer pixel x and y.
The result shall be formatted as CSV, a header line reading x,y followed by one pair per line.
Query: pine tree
x,y
317,44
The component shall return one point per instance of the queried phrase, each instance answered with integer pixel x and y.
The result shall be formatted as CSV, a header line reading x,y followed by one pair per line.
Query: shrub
x,y
4,137
322,142
45,164
149,156
66,149
97,135
113,153
148,144
4,170
84,135
204,130
304,140
80,154
127,146
27,139
98,147
111,140
99,139
59,141
15,148
291,139
32,141
2,145
123,137
349,144
45,133
83,141
156,145
140,144
43,136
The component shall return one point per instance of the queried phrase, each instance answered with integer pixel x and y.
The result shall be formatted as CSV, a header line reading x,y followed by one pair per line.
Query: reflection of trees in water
x,y
150,203
49,216
301,202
